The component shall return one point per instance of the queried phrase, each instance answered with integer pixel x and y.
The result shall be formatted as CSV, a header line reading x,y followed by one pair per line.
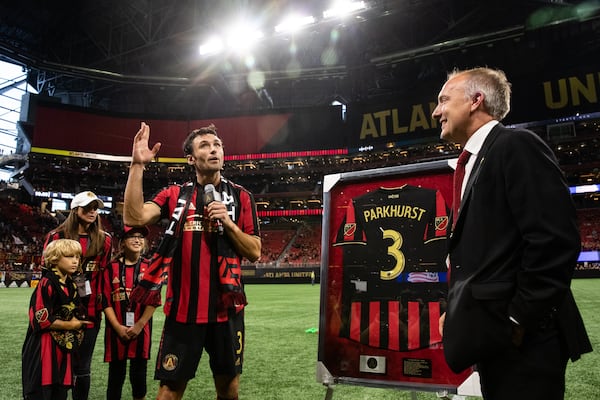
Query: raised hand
x,y
141,153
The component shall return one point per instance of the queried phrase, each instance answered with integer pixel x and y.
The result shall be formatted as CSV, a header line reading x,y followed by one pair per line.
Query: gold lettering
x,y
588,90
434,122
368,127
394,211
562,95
418,119
381,116
396,123
375,124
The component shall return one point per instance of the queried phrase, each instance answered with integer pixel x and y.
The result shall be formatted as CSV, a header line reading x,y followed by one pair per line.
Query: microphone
x,y
210,195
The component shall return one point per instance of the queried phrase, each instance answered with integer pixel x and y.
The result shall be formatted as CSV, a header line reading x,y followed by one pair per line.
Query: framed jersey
x,y
383,278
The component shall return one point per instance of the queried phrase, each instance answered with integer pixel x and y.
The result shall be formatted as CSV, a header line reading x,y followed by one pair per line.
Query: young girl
x,y
128,332
84,225
55,330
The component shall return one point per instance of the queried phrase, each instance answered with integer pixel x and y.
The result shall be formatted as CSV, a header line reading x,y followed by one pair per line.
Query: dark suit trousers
x,y
535,370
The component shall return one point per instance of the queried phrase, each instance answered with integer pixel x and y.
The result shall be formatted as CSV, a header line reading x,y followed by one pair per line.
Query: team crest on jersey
x,y
90,266
169,362
441,223
41,315
349,229
118,295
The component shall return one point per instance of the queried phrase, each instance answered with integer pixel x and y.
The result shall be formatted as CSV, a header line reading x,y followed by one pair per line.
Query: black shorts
x,y
182,344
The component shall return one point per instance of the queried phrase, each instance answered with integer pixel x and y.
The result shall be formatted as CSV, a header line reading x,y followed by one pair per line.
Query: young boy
x,y
54,330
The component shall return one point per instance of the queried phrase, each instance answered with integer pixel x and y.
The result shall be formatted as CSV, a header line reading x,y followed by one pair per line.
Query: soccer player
x,y
55,329
213,226
128,332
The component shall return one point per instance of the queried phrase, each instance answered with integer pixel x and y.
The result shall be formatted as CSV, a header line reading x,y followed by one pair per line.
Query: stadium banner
x,y
548,96
383,278
18,279
587,269
292,274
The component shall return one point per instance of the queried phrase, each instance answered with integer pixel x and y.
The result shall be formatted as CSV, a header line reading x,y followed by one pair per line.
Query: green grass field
x,y
280,357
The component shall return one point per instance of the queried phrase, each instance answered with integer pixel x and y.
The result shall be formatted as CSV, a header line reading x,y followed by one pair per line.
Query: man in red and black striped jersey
x,y
205,301
394,271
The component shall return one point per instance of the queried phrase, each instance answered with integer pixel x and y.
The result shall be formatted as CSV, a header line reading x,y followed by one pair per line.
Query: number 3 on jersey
x,y
394,251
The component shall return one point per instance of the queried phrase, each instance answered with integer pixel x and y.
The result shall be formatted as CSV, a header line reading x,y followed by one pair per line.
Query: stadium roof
x,y
142,56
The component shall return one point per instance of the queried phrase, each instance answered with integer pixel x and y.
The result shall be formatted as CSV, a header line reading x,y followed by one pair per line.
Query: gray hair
x,y
493,84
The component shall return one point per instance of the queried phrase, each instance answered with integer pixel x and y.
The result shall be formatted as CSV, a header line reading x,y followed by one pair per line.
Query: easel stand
x,y
469,388
442,395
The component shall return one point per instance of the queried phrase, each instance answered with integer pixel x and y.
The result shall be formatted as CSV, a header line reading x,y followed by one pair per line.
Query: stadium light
x,y
294,23
342,8
212,46
242,37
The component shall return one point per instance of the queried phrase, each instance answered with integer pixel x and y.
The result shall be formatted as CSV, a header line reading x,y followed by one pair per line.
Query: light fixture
x,y
242,37
294,23
342,8
212,46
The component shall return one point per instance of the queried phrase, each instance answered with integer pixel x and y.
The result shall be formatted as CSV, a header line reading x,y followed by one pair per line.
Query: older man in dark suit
x,y
512,250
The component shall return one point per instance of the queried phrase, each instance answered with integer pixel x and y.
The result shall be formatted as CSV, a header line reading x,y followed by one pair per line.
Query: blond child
x,y
54,330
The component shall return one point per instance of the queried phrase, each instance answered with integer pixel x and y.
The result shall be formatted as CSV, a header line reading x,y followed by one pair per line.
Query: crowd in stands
x,y
285,243
306,249
23,228
277,184
589,227
288,245
297,178
274,242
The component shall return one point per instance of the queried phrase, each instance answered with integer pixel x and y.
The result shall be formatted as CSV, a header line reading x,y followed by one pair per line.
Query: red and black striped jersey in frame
x,y
119,280
194,284
44,361
394,267
92,269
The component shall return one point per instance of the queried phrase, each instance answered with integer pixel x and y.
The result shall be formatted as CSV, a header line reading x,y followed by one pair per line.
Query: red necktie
x,y
459,176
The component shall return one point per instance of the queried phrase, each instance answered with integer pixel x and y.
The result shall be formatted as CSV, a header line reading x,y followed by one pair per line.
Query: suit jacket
x,y
512,252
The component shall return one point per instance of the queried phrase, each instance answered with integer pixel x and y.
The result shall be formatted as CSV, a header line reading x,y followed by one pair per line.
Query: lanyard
x,y
123,272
